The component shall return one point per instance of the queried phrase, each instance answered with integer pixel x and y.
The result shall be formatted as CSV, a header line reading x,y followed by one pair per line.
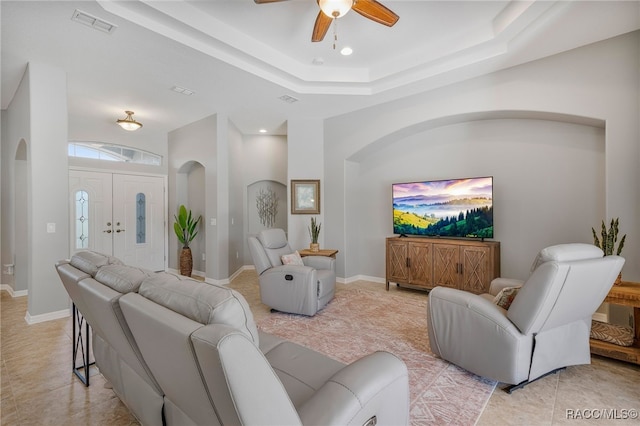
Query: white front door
x,y
120,215
138,214
90,211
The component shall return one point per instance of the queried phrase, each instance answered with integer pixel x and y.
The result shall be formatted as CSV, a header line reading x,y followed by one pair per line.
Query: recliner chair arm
x,y
320,262
500,283
376,385
469,330
290,288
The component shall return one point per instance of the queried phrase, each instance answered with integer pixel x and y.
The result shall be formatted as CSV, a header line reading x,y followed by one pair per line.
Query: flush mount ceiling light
x,y
129,123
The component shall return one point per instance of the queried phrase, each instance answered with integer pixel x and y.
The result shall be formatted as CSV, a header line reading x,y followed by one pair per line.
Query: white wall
x,y
306,161
526,195
38,115
594,84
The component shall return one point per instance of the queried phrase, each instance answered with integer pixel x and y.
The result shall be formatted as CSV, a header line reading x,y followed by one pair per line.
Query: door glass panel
x,y
141,219
82,219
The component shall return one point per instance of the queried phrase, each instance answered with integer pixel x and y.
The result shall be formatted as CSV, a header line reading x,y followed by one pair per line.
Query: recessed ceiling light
x,y
263,130
346,51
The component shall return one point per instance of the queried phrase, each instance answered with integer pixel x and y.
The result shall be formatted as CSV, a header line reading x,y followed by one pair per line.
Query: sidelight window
x,y
82,219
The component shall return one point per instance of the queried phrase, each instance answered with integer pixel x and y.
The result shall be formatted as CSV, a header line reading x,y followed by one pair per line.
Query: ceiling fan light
x,y
335,8
129,123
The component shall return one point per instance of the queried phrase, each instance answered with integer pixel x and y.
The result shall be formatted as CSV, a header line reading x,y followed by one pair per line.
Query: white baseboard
x,y
355,278
34,319
12,293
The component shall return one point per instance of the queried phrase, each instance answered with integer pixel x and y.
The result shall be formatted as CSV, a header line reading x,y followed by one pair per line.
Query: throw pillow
x,y
292,259
505,297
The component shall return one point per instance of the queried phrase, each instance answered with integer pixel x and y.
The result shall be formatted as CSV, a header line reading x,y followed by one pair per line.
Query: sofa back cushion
x,y
200,302
91,261
122,278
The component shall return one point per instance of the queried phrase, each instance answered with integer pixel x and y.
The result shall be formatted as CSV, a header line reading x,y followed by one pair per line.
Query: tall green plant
x,y
609,238
185,226
314,230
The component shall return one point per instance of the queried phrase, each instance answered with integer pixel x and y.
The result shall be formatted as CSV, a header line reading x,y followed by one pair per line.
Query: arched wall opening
x,y
191,191
532,156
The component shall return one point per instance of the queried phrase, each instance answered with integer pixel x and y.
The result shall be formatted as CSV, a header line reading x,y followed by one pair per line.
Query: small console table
x,y
324,252
80,346
627,294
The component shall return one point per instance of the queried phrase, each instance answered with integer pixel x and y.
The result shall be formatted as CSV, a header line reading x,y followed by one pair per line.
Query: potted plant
x,y
314,233
608,241
185,227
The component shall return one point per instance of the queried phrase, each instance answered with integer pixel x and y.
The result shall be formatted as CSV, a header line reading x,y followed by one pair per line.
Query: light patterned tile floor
x,y
38,388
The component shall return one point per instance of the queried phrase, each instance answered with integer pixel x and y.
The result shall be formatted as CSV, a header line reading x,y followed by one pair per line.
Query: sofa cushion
x,y
90,261
200,302
505,297
292,259
121,278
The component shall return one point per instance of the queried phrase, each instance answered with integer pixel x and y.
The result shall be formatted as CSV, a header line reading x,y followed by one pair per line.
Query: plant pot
x,y
618,280
186,262
314,247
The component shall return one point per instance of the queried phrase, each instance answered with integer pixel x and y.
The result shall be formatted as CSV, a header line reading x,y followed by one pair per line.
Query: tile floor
x,y
38,388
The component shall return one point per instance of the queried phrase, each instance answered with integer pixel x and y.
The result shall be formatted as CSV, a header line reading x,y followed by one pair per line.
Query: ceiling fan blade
x,y
376,12
267,1
323,22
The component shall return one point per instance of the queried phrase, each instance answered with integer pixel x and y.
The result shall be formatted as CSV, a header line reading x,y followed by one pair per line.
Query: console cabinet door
x,y
420,264
397,261
446,265
475,268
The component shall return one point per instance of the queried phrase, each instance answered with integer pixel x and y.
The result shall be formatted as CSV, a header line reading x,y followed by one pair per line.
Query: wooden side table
x,y
627,294
324,252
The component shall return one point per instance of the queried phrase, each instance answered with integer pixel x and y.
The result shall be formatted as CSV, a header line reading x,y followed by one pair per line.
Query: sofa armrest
x,y
376,385
320,262
460,323
239,378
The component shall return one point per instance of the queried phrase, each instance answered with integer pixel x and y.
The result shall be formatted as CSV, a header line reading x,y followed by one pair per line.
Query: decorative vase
x,y
186,262
315,247
618,280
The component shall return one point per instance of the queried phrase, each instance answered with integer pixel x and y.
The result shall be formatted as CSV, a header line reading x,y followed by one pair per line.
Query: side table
x,y
324,252
627,294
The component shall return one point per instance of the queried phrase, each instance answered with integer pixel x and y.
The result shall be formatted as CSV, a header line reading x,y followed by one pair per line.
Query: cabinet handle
x,y
108,231
408,263
119,230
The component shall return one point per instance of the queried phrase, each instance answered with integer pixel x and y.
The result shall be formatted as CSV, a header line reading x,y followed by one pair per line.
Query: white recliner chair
x,y
298,289
545,328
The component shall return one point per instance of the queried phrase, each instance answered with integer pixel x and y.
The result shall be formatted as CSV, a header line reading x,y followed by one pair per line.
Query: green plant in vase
x,y
608,240
314,233
186,230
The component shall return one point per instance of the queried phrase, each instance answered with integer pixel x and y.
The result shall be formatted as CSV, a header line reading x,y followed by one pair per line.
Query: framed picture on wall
x,y
305,196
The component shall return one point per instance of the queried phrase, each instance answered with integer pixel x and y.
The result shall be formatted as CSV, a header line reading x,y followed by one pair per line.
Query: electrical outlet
x,y
237,255
204,256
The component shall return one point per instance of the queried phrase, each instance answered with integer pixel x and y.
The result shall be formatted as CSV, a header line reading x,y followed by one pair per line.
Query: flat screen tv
x,y
444,208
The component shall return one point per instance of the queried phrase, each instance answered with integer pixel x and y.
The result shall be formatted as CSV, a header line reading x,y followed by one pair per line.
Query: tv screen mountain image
x,y
444,208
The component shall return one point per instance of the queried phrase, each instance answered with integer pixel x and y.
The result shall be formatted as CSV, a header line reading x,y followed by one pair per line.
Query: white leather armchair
x,y
299,289
545,328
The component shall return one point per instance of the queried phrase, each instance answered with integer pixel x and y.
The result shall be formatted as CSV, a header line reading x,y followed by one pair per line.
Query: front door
x,y
120,215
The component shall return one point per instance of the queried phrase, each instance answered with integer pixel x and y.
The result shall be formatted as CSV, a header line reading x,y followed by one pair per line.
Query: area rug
x,y
357,322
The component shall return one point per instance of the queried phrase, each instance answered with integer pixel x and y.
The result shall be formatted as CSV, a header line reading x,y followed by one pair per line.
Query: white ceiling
x,y
240,57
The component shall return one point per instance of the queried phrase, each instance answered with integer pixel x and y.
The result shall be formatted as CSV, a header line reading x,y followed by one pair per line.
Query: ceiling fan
x,y
333,9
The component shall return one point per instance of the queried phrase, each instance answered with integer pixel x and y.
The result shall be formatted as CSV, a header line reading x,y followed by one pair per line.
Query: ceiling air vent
x,y
288,99
93,22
